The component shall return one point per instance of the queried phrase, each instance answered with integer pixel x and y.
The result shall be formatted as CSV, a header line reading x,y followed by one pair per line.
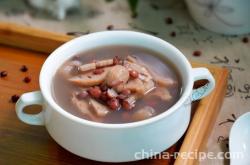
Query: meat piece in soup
x,y
100,86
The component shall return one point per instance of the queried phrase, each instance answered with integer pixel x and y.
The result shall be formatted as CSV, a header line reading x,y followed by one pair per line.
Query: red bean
x,y
26,79
133,74
114,104
110,27
245,40
168,20
98,71
104,87
104,96
24,68
95,91
237,60
172,34
14,98
197,53
3,74
124,94
126,105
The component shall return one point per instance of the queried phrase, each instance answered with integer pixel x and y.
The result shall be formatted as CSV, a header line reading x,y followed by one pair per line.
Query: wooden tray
x,y
25,144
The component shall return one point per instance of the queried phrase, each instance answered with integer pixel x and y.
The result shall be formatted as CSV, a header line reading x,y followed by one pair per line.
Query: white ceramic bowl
x,y
239,141
114,142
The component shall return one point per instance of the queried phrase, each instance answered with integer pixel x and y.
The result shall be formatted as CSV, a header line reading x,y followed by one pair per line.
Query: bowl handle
x,y
202,74
26,99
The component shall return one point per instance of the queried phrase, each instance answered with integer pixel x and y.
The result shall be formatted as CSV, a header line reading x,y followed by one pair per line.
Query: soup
x,y
116,84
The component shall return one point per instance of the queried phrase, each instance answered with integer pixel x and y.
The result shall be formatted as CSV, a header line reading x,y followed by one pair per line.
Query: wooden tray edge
x,y
30,38
199,128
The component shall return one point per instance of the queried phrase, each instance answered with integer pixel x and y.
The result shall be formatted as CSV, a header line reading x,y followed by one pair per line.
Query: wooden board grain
x,y
31,144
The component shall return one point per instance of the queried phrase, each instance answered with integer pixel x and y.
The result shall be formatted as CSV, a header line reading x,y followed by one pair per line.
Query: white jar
x,y
222,16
